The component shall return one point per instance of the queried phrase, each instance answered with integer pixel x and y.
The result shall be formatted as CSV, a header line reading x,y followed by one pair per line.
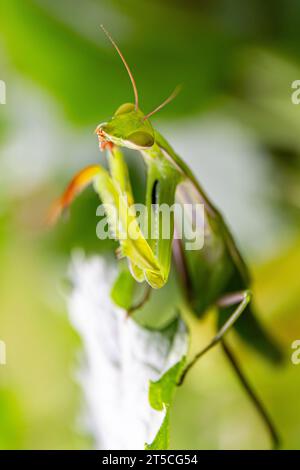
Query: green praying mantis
x,y
213,276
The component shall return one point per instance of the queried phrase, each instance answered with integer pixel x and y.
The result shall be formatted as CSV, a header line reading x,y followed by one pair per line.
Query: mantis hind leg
x,y
242,298
252,395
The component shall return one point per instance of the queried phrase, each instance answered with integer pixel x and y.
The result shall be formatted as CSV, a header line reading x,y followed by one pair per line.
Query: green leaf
x,y
161,440
161,395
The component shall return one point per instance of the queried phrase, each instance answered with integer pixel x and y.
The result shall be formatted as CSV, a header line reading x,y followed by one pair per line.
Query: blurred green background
x,y
233,122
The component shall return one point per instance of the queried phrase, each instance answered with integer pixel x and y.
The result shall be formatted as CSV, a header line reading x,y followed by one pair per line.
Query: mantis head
x,y
129,127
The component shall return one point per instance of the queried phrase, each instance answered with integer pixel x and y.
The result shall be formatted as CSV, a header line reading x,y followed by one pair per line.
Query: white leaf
x,y
120,358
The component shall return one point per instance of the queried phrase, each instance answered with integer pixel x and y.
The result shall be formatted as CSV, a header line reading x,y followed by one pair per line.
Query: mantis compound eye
x,y
124,109
141,138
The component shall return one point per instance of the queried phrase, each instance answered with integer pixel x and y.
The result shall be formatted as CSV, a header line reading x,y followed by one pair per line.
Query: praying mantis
x,y
213,276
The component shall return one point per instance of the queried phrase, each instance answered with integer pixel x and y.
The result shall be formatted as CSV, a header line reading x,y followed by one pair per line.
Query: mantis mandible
x,y
216,275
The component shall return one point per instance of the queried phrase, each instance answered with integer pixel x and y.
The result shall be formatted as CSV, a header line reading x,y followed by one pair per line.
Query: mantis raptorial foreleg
x,y
120,175
121,218
162,181
148,259
80,181
243,298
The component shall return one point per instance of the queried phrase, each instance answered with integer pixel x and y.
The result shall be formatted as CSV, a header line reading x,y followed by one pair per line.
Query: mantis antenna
x,y
170,98
136,98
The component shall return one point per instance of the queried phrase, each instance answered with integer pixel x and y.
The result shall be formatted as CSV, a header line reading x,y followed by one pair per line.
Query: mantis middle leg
x,y
242,298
